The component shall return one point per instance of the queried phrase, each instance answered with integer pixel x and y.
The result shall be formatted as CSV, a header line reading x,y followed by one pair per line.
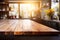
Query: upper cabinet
x,y
4,9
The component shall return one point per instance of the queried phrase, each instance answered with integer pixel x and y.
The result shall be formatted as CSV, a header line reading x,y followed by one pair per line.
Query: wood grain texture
x,y
23,26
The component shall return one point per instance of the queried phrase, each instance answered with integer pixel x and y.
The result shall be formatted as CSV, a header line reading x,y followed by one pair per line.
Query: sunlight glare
x,y
26,10
26,25
27,7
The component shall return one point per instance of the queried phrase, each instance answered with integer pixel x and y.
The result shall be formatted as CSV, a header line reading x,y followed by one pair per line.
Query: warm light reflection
x,y
26,25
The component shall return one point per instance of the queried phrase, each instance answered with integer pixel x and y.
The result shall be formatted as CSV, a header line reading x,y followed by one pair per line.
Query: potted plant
x,y
50,13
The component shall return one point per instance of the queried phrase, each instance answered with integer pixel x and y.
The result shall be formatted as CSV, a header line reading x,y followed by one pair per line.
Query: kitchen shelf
x,y
3,9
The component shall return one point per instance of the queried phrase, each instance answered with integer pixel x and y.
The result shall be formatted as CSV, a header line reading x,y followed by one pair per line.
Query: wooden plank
x,y
12,25
2,22
18,26
5,25
43,28
24,26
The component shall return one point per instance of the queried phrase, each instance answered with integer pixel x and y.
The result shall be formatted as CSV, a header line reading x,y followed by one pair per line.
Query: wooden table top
x,y
22,25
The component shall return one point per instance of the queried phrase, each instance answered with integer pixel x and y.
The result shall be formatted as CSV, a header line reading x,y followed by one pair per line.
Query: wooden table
x,y
23,25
